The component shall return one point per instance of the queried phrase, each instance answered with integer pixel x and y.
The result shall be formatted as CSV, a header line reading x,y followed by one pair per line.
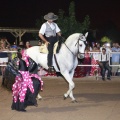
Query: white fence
x,y
7,52
110,54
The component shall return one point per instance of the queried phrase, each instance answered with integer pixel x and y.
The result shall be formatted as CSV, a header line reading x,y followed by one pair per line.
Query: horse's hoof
x,y
64,97
74,101
39,98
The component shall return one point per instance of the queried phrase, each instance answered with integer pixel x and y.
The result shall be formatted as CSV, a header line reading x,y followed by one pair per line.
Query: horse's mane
x,y
63,40
72,38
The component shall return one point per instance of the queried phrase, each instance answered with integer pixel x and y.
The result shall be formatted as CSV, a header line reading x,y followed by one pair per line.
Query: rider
x,y
48,33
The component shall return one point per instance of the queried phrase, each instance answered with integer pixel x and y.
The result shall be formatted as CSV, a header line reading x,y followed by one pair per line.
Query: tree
x,y
105,39
69,24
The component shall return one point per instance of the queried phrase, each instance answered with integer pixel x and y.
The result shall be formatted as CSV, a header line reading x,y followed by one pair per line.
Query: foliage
x,y
105,39
69,24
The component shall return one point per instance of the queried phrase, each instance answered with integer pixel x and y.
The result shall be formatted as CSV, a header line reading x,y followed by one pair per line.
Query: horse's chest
x,y
71,65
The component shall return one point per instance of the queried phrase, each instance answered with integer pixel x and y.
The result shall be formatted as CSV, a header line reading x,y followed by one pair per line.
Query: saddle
x,y
43,48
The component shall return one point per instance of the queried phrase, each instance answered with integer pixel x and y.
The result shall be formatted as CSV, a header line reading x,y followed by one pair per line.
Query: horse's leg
x,y
71,86
71,96
71,93
39,97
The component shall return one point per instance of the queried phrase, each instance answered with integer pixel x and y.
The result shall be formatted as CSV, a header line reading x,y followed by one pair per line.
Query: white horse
x,y
66,59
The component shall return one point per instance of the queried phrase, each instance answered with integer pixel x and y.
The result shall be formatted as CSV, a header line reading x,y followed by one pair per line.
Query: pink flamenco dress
x,y
95,66
87,61
27,85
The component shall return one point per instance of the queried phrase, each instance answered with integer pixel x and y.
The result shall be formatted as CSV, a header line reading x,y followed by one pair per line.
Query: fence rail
x,y
100,53
78,64
7,52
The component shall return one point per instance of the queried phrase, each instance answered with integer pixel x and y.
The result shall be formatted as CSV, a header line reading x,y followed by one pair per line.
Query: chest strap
x,y
56,62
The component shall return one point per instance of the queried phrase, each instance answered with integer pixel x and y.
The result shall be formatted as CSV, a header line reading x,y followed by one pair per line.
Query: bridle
x,y
68,49
78,44
75,45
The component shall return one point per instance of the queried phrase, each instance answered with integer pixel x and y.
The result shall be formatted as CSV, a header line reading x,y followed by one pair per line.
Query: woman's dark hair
x,y
103,49
19,55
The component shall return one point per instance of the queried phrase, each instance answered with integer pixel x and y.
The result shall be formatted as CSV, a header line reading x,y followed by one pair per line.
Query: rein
x,y
68,49
75,45
63,39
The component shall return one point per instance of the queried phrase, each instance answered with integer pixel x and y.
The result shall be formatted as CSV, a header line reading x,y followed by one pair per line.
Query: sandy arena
x,y
97,100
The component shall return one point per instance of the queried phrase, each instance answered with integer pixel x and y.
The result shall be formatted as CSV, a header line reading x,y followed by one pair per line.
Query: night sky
x,y
23,13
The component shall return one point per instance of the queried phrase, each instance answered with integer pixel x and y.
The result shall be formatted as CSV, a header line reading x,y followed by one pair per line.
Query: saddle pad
x,y
43,48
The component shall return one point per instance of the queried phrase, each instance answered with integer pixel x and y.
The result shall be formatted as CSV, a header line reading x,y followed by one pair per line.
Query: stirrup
x,y
51,69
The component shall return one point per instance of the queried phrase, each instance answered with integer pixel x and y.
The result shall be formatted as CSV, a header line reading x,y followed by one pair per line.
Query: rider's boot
x,y
51,69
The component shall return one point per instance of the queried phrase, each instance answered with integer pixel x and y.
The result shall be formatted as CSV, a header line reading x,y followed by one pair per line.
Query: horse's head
x,y
81,45
76,44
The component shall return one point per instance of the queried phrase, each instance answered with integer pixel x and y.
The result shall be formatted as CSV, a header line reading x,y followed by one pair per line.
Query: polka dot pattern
x,y
21,84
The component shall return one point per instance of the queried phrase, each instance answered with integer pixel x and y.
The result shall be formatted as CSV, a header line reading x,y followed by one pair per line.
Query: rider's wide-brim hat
x,y
50,16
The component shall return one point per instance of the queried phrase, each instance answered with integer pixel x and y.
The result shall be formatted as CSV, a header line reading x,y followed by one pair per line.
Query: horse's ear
x,y
86,34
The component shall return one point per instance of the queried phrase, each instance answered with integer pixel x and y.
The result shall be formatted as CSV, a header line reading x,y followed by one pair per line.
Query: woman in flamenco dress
x,y
27,84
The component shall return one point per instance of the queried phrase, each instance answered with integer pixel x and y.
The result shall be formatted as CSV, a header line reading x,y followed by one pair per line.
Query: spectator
x,y
98,46
27,45
115,58
87,61
14,54
21,43
94,58
103,61
4,44
40,43
21,46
